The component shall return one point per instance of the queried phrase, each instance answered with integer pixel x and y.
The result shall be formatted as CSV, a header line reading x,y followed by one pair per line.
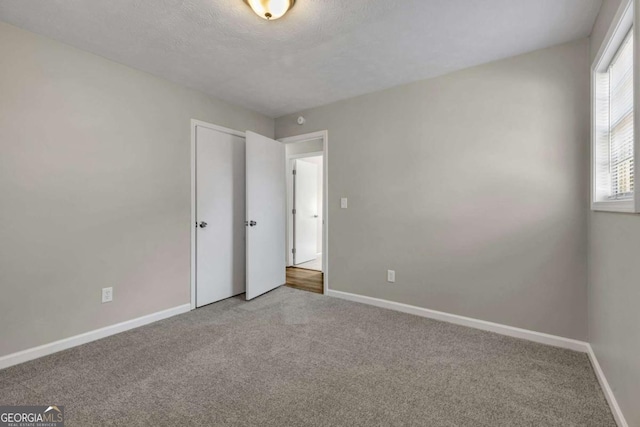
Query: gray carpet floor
x,y
293,358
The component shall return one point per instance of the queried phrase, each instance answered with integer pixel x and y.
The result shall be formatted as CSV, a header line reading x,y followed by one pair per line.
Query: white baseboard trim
x,y
498,328
63,344
606,389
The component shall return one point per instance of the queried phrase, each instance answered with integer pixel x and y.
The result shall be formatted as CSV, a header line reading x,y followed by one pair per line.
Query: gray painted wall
x,y
614,287
95,185
472,186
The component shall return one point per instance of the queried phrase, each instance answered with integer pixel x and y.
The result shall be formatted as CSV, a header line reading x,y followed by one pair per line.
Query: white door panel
x,y
266,206
306,215
220,203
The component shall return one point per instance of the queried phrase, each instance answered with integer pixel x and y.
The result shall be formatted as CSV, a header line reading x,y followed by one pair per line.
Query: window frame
x,y
624,21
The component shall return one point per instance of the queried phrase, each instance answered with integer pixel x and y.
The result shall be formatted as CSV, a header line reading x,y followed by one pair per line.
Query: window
x,y
619,131
613,133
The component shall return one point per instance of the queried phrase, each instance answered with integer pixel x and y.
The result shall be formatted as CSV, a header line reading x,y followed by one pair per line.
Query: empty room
x,y
319,213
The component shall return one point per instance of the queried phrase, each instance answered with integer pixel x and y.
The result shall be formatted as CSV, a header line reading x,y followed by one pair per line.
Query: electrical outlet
x,y
107,295
391,276
344,203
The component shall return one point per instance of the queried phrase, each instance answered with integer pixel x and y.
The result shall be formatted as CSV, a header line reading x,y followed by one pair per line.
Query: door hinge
x,y
293,211
293,251
294,171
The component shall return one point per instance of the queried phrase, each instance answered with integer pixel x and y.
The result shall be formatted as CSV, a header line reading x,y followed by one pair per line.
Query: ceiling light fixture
x,y
270,9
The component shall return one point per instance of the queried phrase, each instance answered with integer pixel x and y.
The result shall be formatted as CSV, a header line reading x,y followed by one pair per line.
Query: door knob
x,y
203,224
315,216
252,223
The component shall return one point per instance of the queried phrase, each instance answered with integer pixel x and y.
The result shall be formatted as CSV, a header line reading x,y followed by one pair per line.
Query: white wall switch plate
x,y
343,203
107,295
391,276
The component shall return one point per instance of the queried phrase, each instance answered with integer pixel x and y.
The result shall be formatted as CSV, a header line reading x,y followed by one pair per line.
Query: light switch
x,y
343,203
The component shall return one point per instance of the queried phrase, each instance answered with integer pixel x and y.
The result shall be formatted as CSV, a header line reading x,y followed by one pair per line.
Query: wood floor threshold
x,y
305,279
307,269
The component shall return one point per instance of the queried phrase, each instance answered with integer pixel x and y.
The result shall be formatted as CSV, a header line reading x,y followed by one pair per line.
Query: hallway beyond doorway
x,y
315,264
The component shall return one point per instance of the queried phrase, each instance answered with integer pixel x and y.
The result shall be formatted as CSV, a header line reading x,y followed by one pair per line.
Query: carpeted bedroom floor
x,y
293,358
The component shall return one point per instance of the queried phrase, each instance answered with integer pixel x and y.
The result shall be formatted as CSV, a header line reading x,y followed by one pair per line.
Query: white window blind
x,y
620,122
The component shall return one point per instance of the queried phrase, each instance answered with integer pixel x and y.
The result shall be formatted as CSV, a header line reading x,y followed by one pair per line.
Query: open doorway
x,y
306,211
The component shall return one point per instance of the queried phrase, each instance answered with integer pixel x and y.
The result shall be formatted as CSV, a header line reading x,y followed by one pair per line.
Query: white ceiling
x,y
322,51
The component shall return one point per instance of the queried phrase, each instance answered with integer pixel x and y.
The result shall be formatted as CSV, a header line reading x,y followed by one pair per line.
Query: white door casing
x,y
324,136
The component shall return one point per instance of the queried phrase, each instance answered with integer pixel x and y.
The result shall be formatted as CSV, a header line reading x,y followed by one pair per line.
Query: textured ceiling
x,y
322,51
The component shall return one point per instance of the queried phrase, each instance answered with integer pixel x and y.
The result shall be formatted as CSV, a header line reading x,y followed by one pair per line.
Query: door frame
x,y
193,226
324,136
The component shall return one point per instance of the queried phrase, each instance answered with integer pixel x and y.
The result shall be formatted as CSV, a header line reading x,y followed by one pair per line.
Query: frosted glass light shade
x,y
270,9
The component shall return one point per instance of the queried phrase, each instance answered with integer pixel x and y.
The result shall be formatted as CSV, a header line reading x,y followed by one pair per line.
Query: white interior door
x,y
306,216
220,211
266,219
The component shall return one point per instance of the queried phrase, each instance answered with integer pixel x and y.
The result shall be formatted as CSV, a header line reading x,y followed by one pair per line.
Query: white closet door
x,y
220,211
266,218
